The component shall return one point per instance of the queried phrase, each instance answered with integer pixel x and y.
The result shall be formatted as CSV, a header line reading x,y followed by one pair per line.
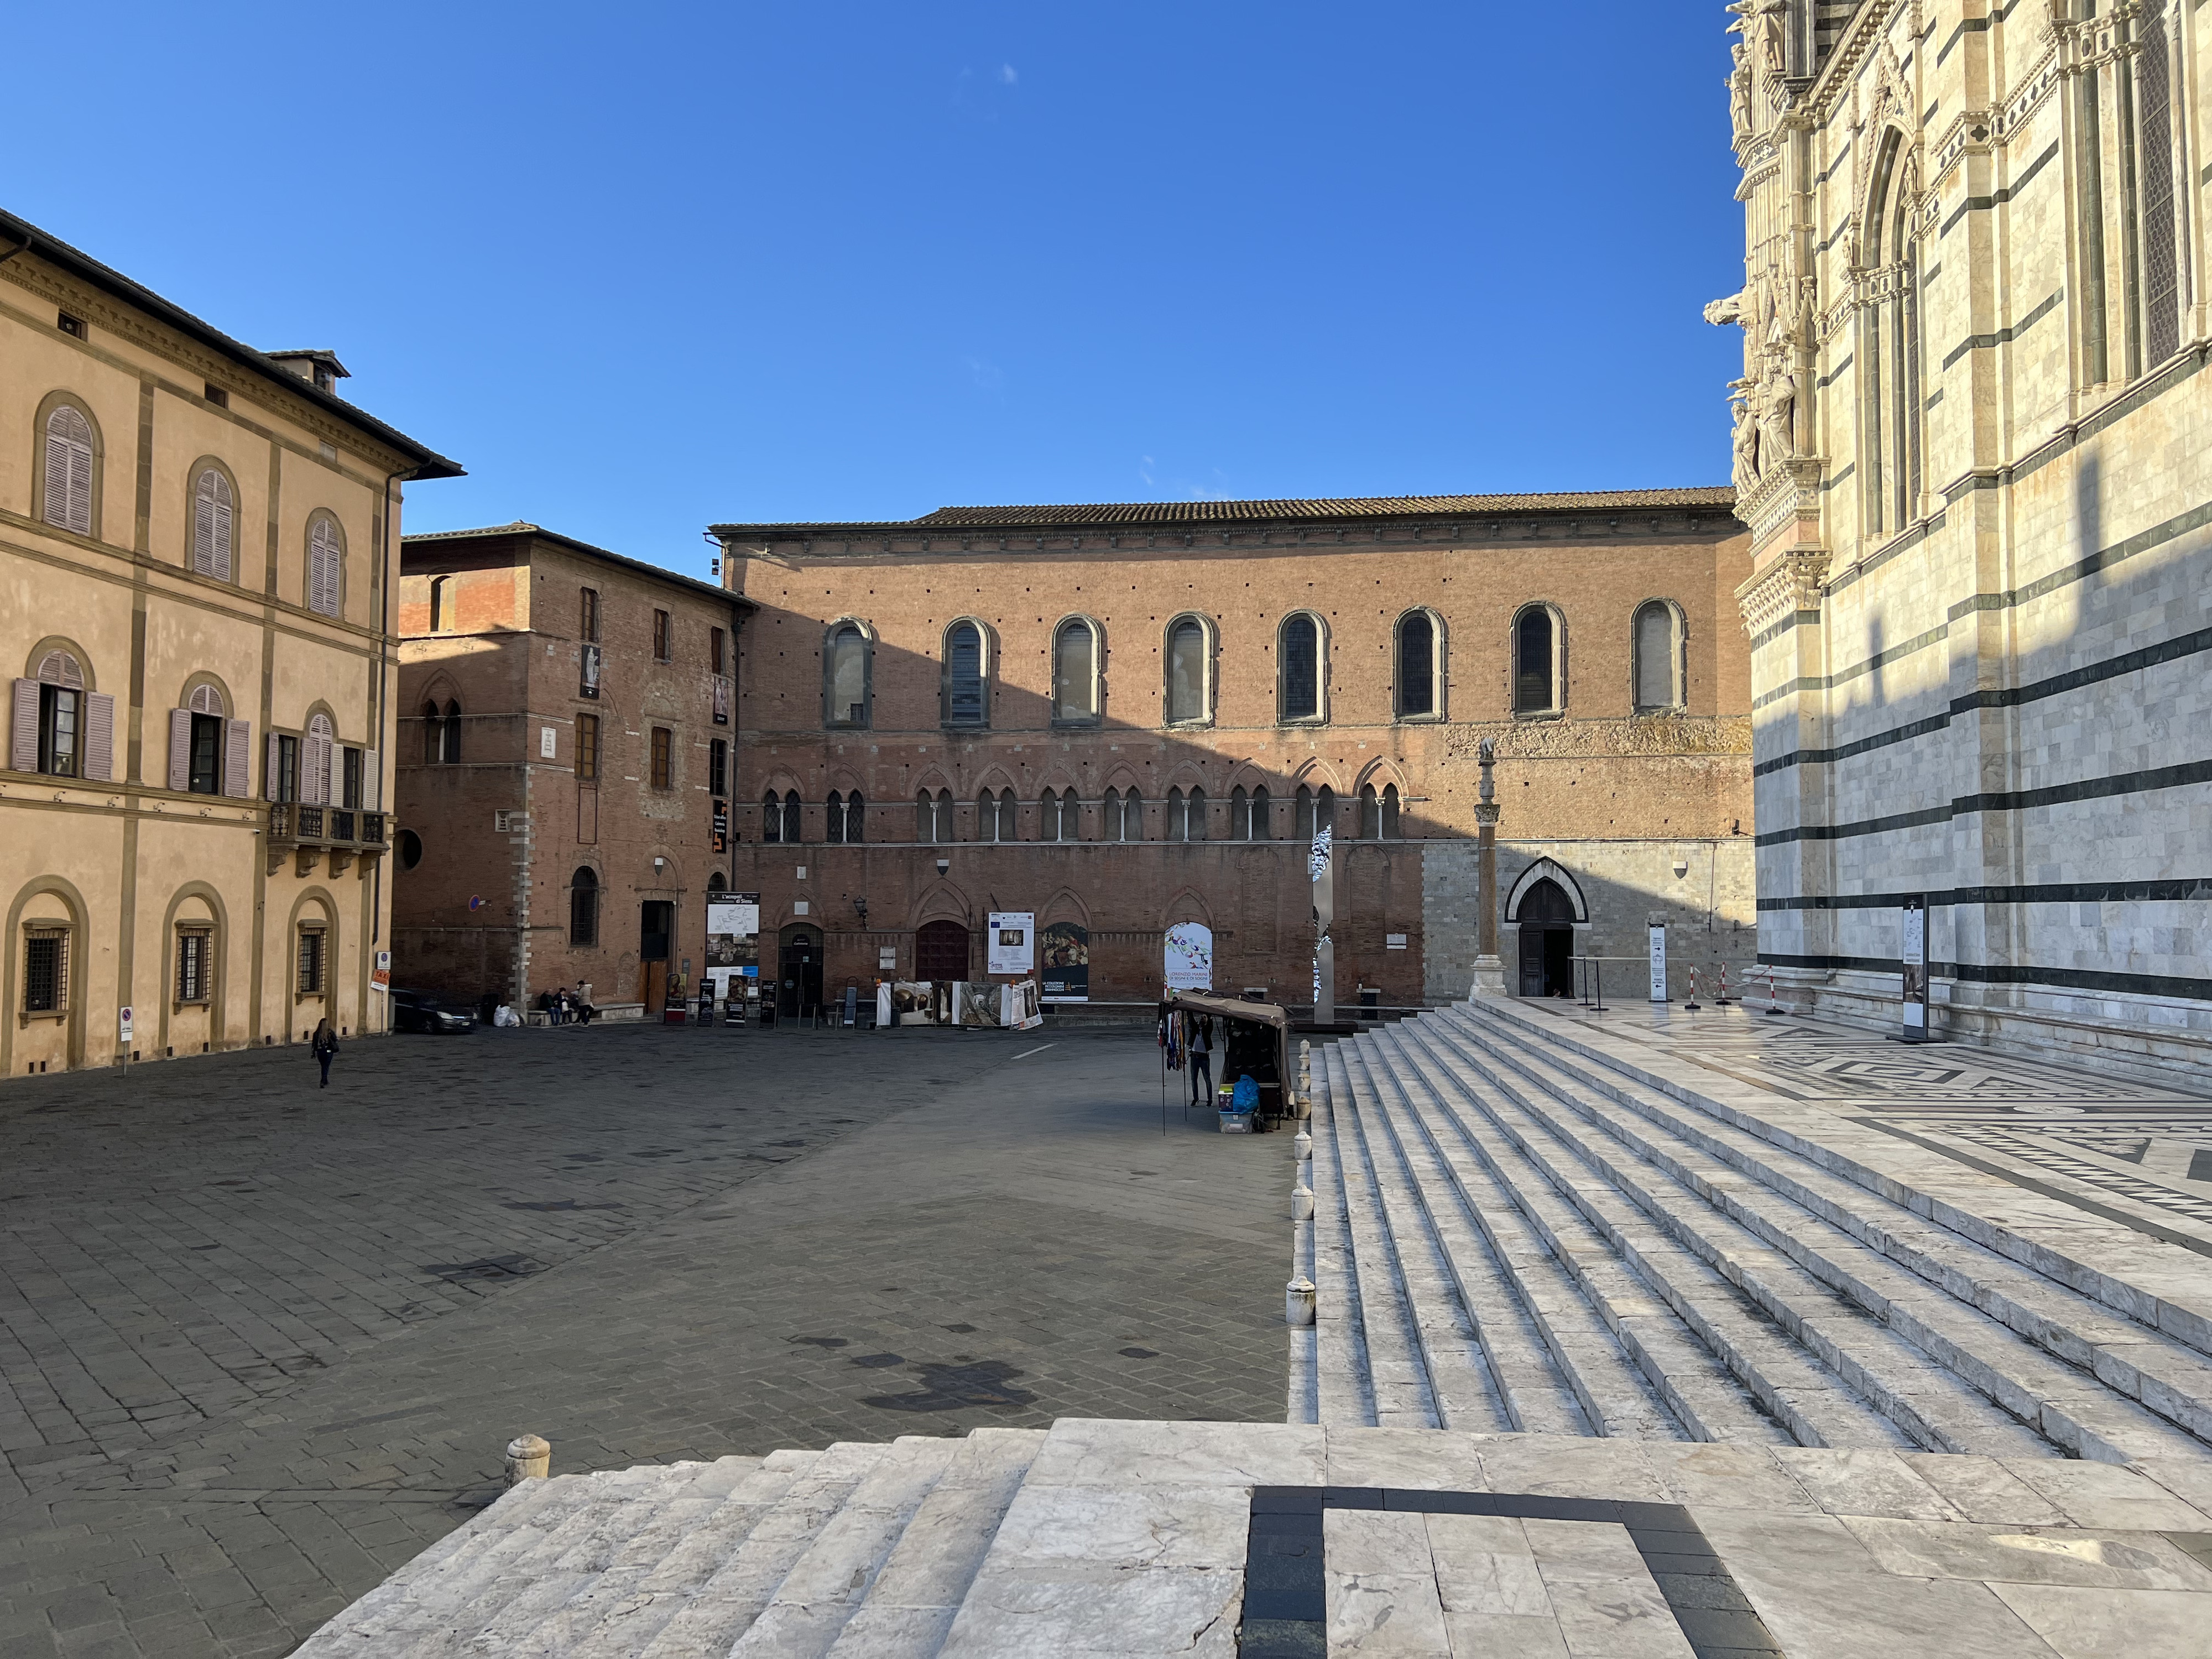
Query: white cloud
x,y
1006,74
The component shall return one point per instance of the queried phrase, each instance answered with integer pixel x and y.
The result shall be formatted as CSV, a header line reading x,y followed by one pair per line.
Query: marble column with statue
x,y
1489,972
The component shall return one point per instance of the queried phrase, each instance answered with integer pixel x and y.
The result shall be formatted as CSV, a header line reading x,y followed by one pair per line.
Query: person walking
x,y
325,1047
1201,1060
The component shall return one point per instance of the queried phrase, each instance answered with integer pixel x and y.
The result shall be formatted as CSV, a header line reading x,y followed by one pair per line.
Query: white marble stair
x,y
2091,1381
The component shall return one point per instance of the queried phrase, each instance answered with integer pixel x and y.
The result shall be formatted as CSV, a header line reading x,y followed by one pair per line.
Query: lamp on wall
x,y
860,910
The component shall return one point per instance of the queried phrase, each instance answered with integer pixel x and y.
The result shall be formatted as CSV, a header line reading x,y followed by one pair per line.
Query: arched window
x,y
1187,814
855,819
1420,660
933,816
843,815
1190,671
1890,343
1370,813
1058,810
1658,638
452,732
61,728
834,817
994,816
1389,811
967,696
315,762
583,909
715,885
214,512
772,816
791,817
67,483
1257,826
845,675
324,568
1301,667
1316,811
434,734
1539,655
1125,815
1077,647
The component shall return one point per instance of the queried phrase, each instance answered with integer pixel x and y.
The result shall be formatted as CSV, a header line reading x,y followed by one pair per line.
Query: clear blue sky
x,y
643,267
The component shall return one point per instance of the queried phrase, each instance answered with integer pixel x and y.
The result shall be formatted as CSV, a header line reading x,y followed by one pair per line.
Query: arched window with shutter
x,y
1302,666
1420,666
845,676
1656,634
61,726
1078,650
215,512
326,568
315,762
1539,649
1189,689
967,685
66,478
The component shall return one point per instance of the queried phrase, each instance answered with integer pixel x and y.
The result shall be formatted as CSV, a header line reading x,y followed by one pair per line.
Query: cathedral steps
x,y
1513,1232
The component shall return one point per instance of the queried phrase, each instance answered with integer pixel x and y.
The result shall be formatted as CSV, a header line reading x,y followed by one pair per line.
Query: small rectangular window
x,y
45,970
193,944
311,962
664,758
288,768
715,650
60,729
717,767
69,324
587,627
217,396
205,777
349,797
587,748
660,636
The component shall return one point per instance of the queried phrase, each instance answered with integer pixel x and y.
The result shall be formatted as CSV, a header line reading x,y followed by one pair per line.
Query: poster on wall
x,y
1190,956
1013,941
1912,953
1066,976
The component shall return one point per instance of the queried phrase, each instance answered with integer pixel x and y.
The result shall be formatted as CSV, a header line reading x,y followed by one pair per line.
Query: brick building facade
x,y
1123,718
566,732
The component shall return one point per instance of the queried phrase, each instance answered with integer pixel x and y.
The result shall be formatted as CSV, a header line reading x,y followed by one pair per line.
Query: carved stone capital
x,y
1787,584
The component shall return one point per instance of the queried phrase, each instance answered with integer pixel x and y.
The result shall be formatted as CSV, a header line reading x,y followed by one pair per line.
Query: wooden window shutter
x,y
315,787
237,744
23,745
372,781
212,518
180,750
98,764
272,774
323,570
68,472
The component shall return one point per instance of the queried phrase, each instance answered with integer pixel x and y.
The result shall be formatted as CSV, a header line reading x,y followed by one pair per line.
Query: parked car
x,y
423,1010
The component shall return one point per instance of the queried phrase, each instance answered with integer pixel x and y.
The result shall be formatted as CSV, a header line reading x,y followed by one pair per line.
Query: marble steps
x,y
1341,1392
1689,1250
2094,1383
1802,1392
1611,1337
1398,1380
1527,1311
1422,1248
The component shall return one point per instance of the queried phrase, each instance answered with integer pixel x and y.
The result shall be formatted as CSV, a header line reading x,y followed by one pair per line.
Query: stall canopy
x,y
1257,1042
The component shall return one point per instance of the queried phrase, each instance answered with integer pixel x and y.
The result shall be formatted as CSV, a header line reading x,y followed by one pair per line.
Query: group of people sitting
x,y
563,1007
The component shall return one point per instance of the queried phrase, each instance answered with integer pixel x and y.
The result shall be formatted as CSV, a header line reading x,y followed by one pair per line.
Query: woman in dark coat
x,y
325,1045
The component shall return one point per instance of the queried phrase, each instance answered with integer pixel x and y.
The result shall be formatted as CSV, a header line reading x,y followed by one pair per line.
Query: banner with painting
x,y
1189,957
1067,966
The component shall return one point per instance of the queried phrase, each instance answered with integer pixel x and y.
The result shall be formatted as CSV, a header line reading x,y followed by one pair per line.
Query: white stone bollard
x,y
1302,1147
1298,1301
529,1457
1301,1201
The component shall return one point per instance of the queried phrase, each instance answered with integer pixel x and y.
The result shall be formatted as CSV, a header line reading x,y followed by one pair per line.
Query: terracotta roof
x,y
1178,512
524,527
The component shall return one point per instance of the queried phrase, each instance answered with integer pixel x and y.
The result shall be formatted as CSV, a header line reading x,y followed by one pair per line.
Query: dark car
x,y
423,1011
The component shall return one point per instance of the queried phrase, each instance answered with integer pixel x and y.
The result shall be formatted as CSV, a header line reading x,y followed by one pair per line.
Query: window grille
x,y
45,970
192,947
311,962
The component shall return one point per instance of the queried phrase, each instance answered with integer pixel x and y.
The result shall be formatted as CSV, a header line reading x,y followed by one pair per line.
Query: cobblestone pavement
x,y
259,1343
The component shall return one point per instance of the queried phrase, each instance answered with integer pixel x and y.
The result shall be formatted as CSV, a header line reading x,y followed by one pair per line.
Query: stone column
x,y
1489,972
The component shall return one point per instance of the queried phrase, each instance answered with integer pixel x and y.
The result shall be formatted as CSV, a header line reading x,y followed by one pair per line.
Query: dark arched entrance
x,y
1547,941
799,985
940,950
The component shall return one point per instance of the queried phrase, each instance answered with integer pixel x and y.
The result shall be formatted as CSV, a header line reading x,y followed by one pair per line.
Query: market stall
x,y
1253,1041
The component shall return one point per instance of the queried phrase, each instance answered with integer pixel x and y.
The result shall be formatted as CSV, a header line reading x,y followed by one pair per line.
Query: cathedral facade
x,y
1969,446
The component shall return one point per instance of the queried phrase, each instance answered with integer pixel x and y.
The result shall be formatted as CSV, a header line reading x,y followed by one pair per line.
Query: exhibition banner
x,y
1913,959
1189,956
1066,962
1014,942
733,939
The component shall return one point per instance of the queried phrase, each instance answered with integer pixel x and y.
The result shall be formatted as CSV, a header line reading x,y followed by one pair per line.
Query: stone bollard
x,y
1302,1200
1298,1301
529,1457
1302,1147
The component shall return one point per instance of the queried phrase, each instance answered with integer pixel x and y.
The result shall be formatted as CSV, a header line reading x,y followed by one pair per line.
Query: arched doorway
x,y
656,938
799,984
1547,941
940,950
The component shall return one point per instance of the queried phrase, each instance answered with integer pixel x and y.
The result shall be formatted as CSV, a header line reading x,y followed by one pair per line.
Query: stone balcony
x,y
311,834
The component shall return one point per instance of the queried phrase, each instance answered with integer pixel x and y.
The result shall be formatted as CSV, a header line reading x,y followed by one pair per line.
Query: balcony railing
x,y
297,823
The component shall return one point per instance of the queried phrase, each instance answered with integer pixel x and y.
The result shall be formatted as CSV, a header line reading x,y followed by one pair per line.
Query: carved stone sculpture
x,y
1777,435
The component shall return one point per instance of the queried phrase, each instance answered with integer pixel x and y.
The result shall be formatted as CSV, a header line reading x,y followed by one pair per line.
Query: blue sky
x,y
640,268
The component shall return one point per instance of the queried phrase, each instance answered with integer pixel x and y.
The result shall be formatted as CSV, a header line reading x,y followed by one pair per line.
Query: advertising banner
x,y
733,937
1658,963
915,1001
1066,962
1190,956
1912,952
1018,1006
1014,942
974,1004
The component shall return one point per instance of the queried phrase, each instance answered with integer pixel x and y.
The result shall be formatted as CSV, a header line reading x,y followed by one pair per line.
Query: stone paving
x,y
260,1344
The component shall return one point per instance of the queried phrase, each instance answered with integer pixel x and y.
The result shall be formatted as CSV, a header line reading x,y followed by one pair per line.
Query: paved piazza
x,y
260,1343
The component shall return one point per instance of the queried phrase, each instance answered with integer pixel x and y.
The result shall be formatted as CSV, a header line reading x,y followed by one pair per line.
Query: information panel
x,y
1912,954
1014,942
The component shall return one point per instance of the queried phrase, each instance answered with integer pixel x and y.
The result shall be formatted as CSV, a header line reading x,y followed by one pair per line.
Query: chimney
x,y
323,367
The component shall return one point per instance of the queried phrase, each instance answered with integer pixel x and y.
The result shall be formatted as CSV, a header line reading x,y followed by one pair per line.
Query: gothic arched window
x,y
845,675
1420,666
1190,671
1077,651
1300,666
1539,661
967,686
1655,638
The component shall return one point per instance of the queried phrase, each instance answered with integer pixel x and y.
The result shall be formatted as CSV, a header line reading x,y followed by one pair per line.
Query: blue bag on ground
x,y
1246,1097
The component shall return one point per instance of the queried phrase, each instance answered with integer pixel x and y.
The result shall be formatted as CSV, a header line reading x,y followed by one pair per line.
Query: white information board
x,y
1659,963
1912,954
1014,942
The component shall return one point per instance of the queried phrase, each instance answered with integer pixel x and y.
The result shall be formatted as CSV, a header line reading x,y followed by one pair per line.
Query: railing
x,y
310,822
297,823
371,829
342,824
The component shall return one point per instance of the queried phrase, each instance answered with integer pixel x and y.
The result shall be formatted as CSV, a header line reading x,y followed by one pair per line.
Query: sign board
x,y
887,963
1658,963
1189,957
1013,941
1018,1006
1393,941
124,1024
719,839
733,936
379,977
1912,955
1066,962
549,744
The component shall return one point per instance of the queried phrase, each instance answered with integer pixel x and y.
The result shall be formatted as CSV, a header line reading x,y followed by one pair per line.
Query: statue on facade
x,y
1778,433
1738,86
1745,472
